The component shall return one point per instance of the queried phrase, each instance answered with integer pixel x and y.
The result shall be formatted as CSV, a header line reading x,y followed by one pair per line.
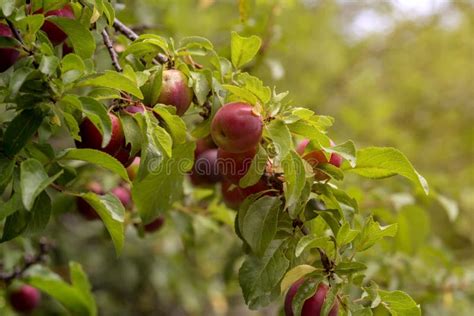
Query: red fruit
x,y
205,170
132,109
92,138
203,144
175,91
155,225
233,166
55,34
8,56
84,208
123,194
25,299
335,160
67,49
236,128
313,305
235,196
316,157
123,155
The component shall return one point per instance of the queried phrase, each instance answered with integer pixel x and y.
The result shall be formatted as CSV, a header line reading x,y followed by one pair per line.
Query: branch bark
x,y
131,35
44,248
112,52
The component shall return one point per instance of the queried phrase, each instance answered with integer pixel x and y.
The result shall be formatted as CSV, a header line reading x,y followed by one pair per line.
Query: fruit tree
x,y
169,117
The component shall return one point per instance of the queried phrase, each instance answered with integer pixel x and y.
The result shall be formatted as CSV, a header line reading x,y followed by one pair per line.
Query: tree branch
x,y
131,35
112,52
18,37
44,248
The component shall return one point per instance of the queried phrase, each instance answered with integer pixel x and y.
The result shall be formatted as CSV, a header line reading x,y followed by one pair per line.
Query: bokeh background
x,y
392,73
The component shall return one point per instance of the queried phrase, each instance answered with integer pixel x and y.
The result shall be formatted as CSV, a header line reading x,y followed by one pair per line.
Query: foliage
x,y
317,230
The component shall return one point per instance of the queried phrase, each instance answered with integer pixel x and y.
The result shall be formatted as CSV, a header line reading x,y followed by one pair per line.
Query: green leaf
x,y
18,79
347,150
294,275
6,171
48,65
294,179
72,68
152,88
7,7
201,86
255,85
329,300
71,297
373,232
96,157
114,80
173,124
243,49
80,281
399,303
163,185
81,38
310,242
383,162
259,277
11,206
260,223
40,214
132,133
345,235
195,41
281,138
15,224
413,229
20,130
241,93
305,291
33,180
256,169
97,113
112,212
349,267
161,136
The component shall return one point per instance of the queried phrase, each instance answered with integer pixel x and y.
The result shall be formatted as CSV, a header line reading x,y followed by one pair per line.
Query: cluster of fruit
x,y
236,132
174,92
8,56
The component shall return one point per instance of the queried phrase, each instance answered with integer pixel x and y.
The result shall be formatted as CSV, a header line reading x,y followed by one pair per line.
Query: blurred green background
x,y
392,73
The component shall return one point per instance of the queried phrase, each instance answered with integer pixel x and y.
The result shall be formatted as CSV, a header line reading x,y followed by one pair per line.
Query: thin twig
x,y
18,272
112,52
18,37
131,35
